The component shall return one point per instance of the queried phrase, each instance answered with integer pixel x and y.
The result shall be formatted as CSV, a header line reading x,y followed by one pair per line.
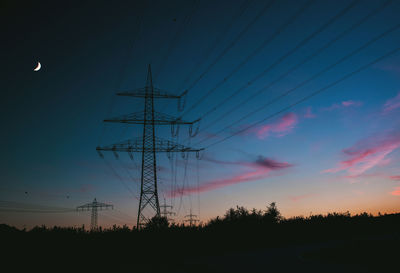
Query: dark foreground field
x,y
241,241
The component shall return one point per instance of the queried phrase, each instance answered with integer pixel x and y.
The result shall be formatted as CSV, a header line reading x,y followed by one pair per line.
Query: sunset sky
x,y
299,100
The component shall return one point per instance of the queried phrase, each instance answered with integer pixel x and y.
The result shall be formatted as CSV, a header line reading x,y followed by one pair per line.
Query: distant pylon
x,y
191,218
164,212
94,206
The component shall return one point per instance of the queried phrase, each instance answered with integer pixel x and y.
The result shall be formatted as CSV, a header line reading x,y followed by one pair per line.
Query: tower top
x,y
149,81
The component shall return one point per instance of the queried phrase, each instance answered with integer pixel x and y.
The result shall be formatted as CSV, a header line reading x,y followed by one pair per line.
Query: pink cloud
x,y
367,154
365,175
390,67
309,113
395,177
391,104
343,104
351,103
280,128
396,191
259,162
260,168
296,198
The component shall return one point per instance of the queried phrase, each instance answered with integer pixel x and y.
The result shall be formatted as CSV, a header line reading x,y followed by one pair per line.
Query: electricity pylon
x,y
149,144
165,212
94,206
191,218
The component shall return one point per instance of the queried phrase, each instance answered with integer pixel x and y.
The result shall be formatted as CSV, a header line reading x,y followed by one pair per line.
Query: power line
x,y
174,40
283,57
123,70
123,213
173,159
310,79
237,38
293,68
120,179
219,38
217,41
131,49
129,173
184,179
36,193
35,211
198,186
310,96
10,206
117,218
255,52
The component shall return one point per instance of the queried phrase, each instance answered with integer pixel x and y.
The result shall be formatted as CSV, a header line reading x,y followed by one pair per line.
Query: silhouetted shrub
x,y
157,223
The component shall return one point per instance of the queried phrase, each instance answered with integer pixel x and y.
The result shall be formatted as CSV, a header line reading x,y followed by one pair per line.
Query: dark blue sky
x,y
341,145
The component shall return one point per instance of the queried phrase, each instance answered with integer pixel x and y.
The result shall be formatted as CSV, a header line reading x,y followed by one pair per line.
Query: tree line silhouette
x,y
361,239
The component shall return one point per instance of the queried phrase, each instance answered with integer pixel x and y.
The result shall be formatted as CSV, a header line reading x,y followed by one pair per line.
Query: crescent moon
x,y
37,67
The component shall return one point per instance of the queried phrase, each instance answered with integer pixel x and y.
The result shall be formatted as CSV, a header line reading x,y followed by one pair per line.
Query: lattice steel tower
x,y
165,212
94,206
149,144
191,218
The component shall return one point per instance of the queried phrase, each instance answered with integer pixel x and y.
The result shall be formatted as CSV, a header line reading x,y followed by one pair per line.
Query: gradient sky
x,y
337,151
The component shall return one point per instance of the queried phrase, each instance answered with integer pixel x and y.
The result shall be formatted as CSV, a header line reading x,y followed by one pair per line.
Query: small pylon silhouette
x,y
94,206
191,218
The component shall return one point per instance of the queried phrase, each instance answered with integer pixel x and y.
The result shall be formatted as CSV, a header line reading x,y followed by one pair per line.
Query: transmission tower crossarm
x,y
102,205
84,207
136,145
191,218
191,215
157,93
94,204
165,212
159,119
